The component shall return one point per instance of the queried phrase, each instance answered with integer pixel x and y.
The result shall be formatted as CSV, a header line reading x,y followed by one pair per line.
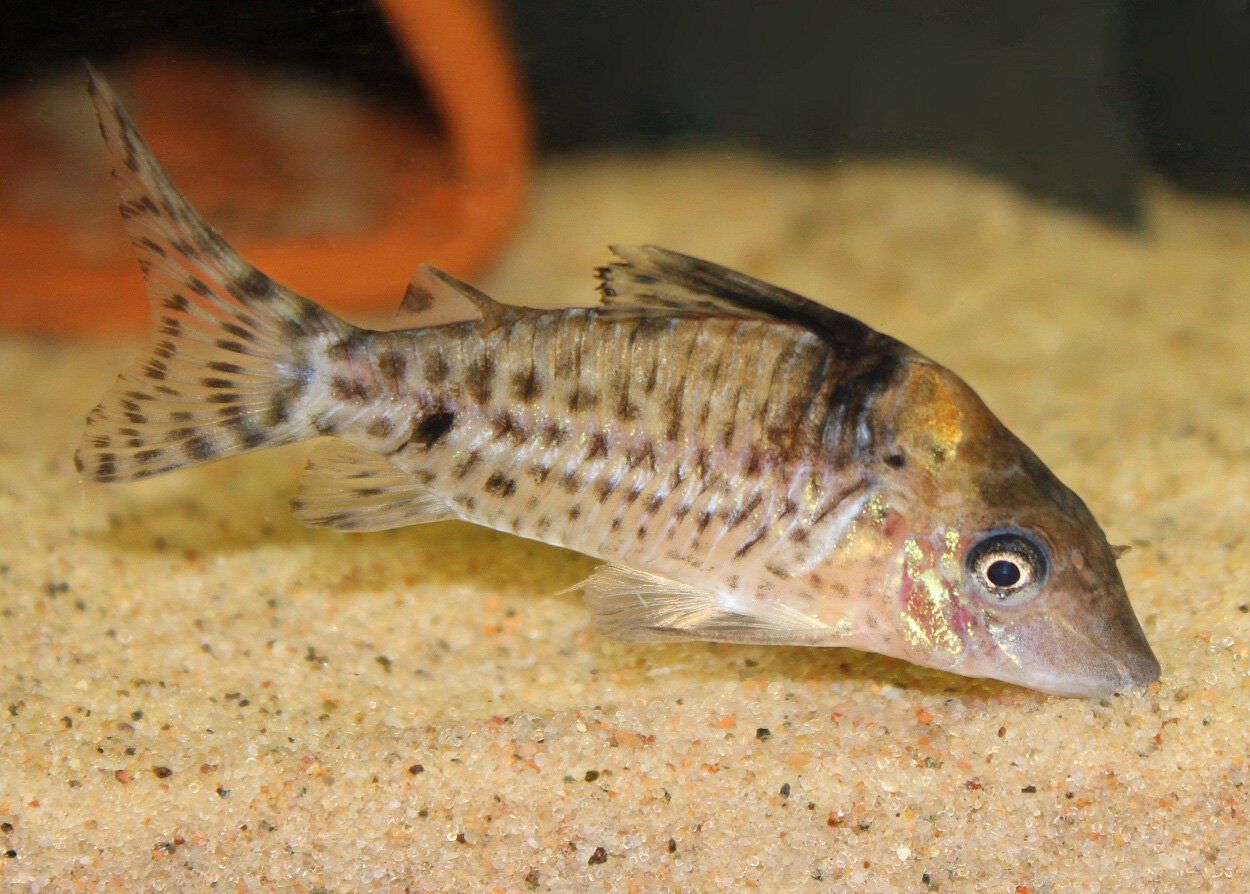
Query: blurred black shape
x,y
1192,79
1029,90
1067,98
344,41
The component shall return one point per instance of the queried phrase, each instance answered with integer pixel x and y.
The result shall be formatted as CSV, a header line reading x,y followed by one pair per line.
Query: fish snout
x,y
1111,654
1138,664
1077,648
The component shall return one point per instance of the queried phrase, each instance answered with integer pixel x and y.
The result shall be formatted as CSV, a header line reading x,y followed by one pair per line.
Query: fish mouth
x,y
1142,669
1087,679
1129,662
1062,656
1116,675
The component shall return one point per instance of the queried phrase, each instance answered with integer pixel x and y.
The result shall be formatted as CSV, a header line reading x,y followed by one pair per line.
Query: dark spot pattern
x,y
736,515
500,485
480,379
468,464
751,541
582,400
350,390
347,349
240,332
754,461
246,434
598,447
434,365
431,429
525,385
379,428
626,410
255,285
199,287
198,447
653,373
555,434
279,409
507,426
636,457
392,365
673,410
417,298
150,245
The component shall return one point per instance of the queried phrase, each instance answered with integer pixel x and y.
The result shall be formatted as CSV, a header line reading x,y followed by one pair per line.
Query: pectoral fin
x,y
352,489
637,607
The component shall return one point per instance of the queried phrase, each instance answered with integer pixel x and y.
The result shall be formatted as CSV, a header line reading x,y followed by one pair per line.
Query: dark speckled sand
x,y
200,694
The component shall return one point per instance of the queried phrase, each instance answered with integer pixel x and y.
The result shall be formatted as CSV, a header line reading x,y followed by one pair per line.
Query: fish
x,y
751,466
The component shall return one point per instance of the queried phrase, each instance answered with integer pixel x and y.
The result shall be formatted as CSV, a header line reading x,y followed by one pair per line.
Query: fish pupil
x,y
1007,568
1003,573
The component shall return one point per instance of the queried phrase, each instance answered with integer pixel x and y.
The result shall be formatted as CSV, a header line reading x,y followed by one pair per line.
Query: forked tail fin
x,y
228,369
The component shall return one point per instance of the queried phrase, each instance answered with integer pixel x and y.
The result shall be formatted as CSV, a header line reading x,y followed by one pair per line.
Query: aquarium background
x,y
199,694
1071,100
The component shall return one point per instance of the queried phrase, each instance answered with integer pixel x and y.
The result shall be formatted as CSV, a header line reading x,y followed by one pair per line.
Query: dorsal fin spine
x,y
650,276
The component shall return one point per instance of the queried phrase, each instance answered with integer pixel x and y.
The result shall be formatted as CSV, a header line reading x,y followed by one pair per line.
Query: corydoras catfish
x,y
752,466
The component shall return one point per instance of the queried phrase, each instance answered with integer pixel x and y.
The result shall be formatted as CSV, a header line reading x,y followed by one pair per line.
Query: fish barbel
x,y
753,466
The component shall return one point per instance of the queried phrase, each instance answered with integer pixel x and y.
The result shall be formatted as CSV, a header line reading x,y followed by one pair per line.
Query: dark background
x,y
1073,100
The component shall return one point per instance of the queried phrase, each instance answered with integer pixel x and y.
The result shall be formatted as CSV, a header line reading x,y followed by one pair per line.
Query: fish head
x,y
1001,570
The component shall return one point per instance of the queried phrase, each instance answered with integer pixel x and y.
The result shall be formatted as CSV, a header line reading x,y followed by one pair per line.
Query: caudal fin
x,y
228,367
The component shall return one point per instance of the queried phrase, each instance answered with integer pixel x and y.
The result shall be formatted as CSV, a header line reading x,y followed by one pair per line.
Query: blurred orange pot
x,y
446,195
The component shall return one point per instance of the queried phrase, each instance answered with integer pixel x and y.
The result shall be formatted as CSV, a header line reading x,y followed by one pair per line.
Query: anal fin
x,y
353,489
638,607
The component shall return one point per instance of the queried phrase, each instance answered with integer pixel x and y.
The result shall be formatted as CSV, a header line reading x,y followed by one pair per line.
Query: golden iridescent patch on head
x,y
931,618
933,421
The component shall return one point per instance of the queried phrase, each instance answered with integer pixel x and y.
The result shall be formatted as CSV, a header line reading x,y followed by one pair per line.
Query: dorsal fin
x,y
434,298
648,276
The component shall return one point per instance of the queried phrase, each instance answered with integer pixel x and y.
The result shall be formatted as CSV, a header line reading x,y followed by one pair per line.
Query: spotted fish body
x,y
753,466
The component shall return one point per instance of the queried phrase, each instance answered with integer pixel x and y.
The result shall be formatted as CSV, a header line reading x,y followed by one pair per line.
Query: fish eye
x,y
1007,568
